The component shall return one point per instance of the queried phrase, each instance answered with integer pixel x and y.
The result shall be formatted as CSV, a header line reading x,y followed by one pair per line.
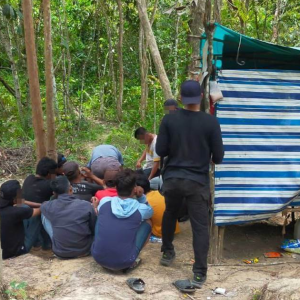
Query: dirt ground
x,y
50,278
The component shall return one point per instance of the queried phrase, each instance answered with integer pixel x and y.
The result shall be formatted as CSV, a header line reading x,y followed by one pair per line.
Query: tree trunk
x,y
34,85
51,141
120,60
159,66
82,86
144,64
175,79
196,27
69,60
144,72
100,71
8,87
276,22
110,50
217,10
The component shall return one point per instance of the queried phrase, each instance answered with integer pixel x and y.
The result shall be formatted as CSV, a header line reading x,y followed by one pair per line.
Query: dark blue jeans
x,y
196,196
32,229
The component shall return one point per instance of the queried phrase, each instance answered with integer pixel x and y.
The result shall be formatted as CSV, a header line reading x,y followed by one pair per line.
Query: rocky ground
x,y
50,278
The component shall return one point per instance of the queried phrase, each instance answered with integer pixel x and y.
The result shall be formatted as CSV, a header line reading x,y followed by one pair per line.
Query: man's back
x,y
73,222
190,139
12,229
36,189
106,151
85,190
157,202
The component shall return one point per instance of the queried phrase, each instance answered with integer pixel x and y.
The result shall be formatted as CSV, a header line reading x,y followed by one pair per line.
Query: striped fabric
x,y
260,122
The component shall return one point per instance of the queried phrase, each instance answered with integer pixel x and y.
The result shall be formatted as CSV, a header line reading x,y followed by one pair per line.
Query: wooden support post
x,y
221,234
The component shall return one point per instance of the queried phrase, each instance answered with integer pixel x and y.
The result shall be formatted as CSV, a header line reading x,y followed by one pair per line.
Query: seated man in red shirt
x,y
110,185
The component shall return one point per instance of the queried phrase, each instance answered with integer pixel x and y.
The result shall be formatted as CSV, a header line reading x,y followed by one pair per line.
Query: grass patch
x,y
17,290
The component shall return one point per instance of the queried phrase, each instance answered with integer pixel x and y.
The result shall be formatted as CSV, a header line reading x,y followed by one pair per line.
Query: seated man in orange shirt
x,y
156,201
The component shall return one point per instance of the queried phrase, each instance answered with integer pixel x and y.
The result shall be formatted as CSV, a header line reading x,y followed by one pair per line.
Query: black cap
x,y
8,192
191,92
171,102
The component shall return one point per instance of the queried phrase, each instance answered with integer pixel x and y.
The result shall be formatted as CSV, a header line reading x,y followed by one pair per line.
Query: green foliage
x,y
8,11
122,137
17,290
80,38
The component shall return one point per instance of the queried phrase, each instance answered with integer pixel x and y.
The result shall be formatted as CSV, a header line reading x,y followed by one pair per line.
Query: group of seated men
x,y
101,209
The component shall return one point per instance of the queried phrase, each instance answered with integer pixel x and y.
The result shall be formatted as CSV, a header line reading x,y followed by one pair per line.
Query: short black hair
x,y
125,182
45,166
142,181
170,102
110,178
60,185
140,131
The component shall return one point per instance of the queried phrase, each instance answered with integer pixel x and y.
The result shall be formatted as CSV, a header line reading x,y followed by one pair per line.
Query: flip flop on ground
x,y
136,284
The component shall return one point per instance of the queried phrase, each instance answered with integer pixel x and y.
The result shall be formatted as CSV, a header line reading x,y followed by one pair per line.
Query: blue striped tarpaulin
x,y
260,122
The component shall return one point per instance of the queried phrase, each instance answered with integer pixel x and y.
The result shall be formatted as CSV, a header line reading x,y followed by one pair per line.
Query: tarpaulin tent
x,y
260,121
254,53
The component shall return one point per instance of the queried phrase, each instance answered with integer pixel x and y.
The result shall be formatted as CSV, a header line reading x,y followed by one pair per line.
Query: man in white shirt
x,y
151,168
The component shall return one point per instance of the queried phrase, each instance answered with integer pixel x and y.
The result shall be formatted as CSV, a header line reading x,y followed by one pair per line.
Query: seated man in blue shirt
x,y
123,226
69,221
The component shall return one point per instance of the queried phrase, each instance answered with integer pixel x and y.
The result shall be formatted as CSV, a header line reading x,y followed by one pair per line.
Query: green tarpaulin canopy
x,y
253,54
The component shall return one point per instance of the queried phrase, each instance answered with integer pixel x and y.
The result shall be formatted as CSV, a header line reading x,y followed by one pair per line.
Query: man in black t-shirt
x,y
36,188
16,237
191,139
83,189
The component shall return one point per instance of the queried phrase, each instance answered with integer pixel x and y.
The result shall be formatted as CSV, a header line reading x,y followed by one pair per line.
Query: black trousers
x,y
197,197
147,172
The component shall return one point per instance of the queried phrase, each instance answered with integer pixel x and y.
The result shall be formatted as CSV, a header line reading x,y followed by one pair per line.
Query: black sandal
x,y
184,286
136,284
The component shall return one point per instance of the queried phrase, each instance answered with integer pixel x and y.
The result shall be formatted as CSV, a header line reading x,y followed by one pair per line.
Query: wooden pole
x,y
34,85
221,234
51,142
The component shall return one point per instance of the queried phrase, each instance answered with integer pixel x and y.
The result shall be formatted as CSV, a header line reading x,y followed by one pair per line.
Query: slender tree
x,y
144,64
176,53
196,28
34,85
51,141
120,60
276,22
217,10
110,49
155,54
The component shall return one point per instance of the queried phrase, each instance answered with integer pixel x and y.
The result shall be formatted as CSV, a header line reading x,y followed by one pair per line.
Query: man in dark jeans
x,y
191,139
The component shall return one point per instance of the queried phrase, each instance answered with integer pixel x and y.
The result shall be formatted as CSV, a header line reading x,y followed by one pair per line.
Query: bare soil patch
x,y
51,278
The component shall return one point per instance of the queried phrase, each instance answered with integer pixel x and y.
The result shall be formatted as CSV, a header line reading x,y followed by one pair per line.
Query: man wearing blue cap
x,y
191,139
